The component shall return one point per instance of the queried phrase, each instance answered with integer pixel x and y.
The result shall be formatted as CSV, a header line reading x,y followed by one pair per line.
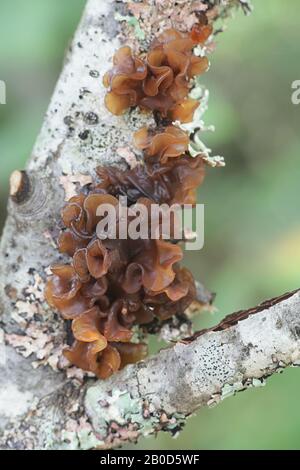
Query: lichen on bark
x,y
58,409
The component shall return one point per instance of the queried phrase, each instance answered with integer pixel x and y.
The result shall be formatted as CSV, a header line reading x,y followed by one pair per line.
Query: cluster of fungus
x,y
160,80
114,284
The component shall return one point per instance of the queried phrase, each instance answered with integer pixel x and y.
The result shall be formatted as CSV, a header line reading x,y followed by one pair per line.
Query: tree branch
x,y
158,394
43,402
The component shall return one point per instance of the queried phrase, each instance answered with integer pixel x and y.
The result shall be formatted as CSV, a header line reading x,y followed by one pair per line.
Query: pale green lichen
x,y
176,422
121,408
132,21
50,442
117,407
88,440
229,390
70,440
258,382
197,127
82,439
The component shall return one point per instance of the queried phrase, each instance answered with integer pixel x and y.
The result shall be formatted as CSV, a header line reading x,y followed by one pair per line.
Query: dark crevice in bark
x,y
234,318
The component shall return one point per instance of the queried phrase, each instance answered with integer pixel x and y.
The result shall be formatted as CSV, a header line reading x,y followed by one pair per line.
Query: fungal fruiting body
x,y
117,283
112,285
172,183
159,80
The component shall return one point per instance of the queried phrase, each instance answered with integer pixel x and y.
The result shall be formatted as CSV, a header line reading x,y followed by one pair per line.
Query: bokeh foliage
x,y
252,246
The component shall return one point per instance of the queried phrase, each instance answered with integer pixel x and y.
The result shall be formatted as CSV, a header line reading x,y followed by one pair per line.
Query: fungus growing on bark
x,y
111,285
125,81
174,182
116,281
171,142
160,80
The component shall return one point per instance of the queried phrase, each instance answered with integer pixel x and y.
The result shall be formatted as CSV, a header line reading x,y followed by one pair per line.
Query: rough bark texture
x,y
44,403
160,393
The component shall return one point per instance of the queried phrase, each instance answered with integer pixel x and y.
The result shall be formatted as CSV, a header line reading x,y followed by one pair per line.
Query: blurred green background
x,y
252,247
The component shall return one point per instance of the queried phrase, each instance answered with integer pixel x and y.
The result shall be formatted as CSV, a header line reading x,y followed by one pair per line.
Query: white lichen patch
x,y
38,344
35,291
175,330
71,183
35,341
27,309
214,162
14,402
41,341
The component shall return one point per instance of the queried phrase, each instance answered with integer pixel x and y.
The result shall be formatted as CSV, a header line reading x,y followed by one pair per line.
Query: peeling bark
x,y
44,403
